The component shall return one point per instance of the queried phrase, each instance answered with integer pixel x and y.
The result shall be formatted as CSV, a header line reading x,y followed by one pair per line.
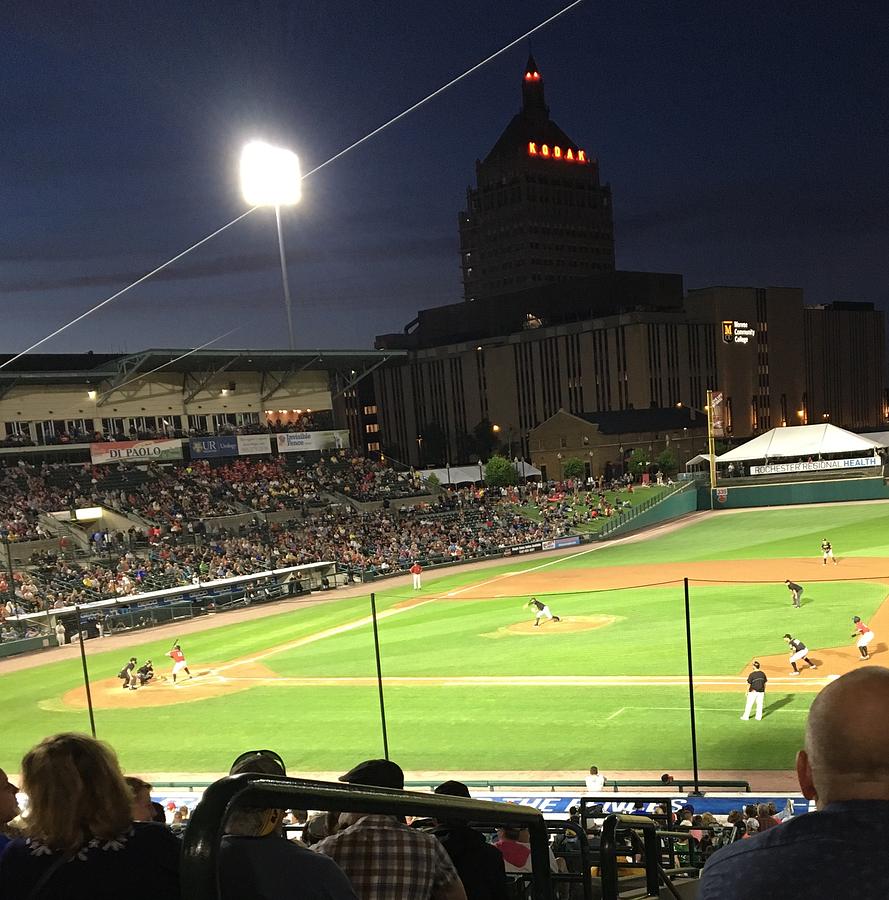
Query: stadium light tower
x,y
270,176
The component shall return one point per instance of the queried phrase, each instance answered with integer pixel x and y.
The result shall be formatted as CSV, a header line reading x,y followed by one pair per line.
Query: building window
x,y
373,428
374,445
370,410
563,441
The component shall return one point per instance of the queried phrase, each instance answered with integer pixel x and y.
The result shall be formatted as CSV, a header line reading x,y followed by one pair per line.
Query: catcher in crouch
x,y
541,611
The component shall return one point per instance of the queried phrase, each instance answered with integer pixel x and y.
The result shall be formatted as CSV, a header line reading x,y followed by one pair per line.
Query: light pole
x,y
10,585
270,176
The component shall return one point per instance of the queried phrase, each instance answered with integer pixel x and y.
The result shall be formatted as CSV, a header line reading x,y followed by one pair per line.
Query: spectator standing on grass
x,y
841,848
479,865
257,861
81,842
383,858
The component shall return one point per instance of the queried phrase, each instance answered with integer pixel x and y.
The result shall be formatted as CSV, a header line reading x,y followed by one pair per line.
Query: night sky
x,y
746,143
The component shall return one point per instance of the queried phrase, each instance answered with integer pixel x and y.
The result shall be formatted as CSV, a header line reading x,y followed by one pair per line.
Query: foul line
x,y
319,635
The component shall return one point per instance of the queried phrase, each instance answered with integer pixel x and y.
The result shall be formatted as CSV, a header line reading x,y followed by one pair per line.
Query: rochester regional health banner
x,y
302,441
135,451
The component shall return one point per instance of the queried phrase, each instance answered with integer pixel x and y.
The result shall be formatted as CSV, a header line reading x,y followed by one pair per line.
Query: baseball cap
x,y
258,762
453,789
376,773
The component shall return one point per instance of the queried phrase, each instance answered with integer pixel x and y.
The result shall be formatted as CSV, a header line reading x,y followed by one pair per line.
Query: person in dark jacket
x,y
478,863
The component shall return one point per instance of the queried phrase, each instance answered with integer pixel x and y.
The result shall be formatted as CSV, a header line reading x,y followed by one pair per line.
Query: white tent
x,y
880,437
800,440
700,460
474,473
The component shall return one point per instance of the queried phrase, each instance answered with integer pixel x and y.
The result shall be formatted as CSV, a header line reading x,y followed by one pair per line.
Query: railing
x,y
650,847
678,785
625,516
200,847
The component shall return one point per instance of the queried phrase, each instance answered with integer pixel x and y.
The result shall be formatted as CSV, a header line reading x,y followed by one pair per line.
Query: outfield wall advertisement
x,y
135,451
304,441
818,465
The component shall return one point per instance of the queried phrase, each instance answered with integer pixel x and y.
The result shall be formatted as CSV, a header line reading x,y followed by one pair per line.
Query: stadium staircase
x,y
652,511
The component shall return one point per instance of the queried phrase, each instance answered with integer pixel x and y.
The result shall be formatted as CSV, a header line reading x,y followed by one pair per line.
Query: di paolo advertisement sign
x,y
305,441
735,332
135,451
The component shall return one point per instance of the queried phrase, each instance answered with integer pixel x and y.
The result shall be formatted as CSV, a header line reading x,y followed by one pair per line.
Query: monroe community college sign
x,y
735,332
819,465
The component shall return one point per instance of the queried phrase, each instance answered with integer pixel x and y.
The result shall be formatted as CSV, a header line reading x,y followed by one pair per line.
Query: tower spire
x,y
533,104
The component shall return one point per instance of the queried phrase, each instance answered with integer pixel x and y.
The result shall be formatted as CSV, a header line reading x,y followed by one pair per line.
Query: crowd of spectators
x,y
90,832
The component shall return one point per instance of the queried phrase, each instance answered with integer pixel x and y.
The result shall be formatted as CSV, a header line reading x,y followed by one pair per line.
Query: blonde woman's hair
x,y
76,792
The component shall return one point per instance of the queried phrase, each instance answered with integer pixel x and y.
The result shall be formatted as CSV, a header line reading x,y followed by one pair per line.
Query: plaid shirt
x,y
386,860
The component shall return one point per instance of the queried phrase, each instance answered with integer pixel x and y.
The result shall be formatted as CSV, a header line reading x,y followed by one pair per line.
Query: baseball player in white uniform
x,y
541,611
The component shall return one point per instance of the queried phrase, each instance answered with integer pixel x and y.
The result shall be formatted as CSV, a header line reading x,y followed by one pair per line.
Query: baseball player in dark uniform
x,y
541,611
128,674
796,591
827,551
798,651
756,692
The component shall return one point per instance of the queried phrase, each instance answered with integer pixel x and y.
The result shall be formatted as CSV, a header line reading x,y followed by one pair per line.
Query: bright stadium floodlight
x,y
270,176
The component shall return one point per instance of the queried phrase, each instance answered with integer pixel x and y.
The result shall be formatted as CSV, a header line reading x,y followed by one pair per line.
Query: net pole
x,y
86,674
691,691
373,615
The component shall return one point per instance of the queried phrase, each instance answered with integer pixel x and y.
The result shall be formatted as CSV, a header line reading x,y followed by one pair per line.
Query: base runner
x,y
541,611
864,635
179,663
798,651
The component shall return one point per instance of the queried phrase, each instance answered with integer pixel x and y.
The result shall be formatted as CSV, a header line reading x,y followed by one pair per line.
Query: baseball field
x,y
471,685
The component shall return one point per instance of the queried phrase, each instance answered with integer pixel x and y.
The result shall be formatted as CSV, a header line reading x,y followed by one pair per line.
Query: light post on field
x,y
270,176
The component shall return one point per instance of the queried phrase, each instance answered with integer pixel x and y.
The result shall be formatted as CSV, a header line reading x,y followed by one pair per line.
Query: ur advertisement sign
x,y
304,441
218,445
717,414
135,451
818,465
214,446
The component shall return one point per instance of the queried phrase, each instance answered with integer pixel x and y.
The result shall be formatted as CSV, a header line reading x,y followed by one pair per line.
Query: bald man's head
x,y
847,740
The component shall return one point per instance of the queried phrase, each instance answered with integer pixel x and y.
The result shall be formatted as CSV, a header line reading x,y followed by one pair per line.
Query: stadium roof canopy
x,y
95,367
800,440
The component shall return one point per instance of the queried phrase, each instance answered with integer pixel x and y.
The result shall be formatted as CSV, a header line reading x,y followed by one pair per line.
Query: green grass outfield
x,y
527,726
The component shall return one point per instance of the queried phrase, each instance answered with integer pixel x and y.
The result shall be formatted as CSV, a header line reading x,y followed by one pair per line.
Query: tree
x,y
482,440
499,472
433,481
434,447
573,468
668,462
638,461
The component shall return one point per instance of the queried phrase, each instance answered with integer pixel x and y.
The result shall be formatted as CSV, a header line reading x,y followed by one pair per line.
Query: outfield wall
x,y
787,493
675,505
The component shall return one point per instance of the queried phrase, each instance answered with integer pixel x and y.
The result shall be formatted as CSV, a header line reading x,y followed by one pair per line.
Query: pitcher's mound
x,y
568,625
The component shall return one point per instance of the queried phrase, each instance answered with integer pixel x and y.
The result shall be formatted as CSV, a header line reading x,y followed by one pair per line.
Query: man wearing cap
x,y
478,863
256,860
384,859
